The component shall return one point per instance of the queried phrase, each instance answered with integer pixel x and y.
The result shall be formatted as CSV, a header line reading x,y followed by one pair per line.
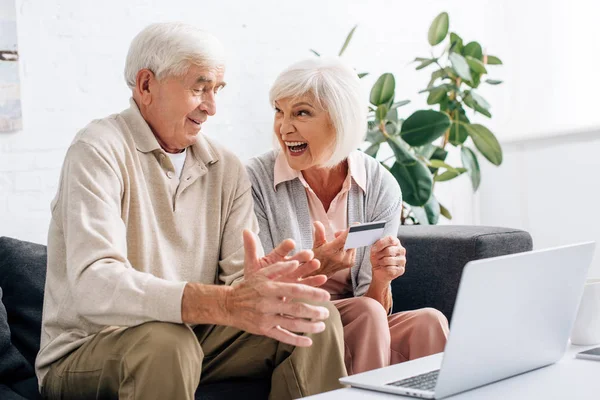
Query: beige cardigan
x,y
126,234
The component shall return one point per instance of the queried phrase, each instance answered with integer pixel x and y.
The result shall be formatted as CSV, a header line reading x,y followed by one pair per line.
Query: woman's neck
x,y
326,182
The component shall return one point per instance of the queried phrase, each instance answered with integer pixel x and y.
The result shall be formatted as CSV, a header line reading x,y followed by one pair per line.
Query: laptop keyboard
x,y
424,381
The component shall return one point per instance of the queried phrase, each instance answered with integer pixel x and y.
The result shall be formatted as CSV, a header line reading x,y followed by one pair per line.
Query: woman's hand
x,y
388,259
332,255
307,272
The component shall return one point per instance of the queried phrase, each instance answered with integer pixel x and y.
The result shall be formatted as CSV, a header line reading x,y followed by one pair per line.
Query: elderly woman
x,y
317,176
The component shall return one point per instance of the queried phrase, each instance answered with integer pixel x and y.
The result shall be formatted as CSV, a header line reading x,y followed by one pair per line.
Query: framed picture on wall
x,y
10,97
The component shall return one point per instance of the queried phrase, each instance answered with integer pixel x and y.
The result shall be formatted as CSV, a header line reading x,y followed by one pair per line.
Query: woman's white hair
x,y
169,49
337,90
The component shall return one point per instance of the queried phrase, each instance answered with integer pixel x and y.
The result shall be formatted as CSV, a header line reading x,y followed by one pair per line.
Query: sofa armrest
x,y
436,256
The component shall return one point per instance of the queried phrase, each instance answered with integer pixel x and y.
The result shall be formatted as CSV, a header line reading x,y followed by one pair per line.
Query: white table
x,y
570,378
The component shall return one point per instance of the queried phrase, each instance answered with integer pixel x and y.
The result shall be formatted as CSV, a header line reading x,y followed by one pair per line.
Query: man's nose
x,y
209,105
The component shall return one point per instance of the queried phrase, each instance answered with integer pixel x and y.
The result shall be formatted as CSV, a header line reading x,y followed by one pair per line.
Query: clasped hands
x,y
274,298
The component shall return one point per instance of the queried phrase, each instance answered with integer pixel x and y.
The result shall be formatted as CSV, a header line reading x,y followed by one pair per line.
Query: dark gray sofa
x,y
436,256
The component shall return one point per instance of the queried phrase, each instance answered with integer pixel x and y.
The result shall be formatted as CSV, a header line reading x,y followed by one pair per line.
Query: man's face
x,y
179,105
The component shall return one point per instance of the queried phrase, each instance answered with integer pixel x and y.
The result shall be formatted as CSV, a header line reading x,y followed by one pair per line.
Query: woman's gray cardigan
x,y
284,213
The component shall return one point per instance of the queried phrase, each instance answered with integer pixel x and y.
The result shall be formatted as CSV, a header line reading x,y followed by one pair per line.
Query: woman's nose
x,y
286,126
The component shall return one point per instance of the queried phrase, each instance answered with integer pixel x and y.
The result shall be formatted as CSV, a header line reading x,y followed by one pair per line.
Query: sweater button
x,y
169,174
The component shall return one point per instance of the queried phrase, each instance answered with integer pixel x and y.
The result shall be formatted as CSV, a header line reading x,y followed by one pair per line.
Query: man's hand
x,y
388,260
270,299
264,304
332,255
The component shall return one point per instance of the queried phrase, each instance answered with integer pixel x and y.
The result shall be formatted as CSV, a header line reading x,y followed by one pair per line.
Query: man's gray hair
x,y
169,49
337,90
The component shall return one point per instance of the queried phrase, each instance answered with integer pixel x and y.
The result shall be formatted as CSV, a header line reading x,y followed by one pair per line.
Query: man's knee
x,y
334,321
163,342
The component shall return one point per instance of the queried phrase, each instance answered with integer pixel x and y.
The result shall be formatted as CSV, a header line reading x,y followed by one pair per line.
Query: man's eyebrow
x,y
204,79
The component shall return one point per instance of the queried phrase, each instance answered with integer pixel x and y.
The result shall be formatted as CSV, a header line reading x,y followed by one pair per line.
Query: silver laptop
x,y
512,314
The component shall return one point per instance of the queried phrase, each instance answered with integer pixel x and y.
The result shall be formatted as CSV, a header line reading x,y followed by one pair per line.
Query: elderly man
x,y
151,285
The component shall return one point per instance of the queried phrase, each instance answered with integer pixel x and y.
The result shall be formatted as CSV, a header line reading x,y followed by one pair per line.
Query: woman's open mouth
x,y
296,148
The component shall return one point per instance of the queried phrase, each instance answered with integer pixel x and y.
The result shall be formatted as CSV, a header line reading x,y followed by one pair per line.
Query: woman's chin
x,y
295,163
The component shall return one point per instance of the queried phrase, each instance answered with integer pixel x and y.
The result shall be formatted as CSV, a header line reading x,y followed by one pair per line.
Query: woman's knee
x,y
371,309
428,319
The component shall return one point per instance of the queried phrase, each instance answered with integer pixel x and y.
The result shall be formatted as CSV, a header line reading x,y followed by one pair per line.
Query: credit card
x,y
364,234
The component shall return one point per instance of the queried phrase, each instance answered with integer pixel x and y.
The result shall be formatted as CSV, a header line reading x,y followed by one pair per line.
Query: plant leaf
x,y
458,133
424,126
444,211
372,150
400,104
420,215
432,209
392,115
471,103
438,29
440,73
437,94
415,180
441,164
425,63
381,112
480,100
448,175
383,90
391,127
426,151
486,143
375,136
362,75
347,41
459,64
493,81
401,152
493,60
439,154
456,43
476,65
469,161
473,49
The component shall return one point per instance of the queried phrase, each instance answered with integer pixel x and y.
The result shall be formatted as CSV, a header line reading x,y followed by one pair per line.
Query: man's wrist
x,y
205,304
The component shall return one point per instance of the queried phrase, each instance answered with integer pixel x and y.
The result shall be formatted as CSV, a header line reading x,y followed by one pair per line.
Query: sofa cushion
x,y
13,366
436,256
22,279
6,393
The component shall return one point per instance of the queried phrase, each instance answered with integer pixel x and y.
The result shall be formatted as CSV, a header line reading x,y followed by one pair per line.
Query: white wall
x,y
72,55
550,188
549,126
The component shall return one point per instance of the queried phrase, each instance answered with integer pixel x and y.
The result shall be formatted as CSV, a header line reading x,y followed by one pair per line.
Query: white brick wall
x,y
73,51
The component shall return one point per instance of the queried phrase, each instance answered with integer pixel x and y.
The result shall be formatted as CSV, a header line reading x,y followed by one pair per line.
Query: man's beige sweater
x,y
126,234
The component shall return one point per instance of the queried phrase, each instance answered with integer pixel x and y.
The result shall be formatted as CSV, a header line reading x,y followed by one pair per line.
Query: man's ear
x,y
144,83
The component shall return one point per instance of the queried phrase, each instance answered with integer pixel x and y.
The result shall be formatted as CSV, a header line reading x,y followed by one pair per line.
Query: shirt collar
x,y
283,172
146,142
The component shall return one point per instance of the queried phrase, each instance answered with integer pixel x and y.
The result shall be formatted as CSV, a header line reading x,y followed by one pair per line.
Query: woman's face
x,y
304,131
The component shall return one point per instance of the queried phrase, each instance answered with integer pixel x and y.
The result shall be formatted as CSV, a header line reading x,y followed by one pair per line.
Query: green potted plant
x,y
420,142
